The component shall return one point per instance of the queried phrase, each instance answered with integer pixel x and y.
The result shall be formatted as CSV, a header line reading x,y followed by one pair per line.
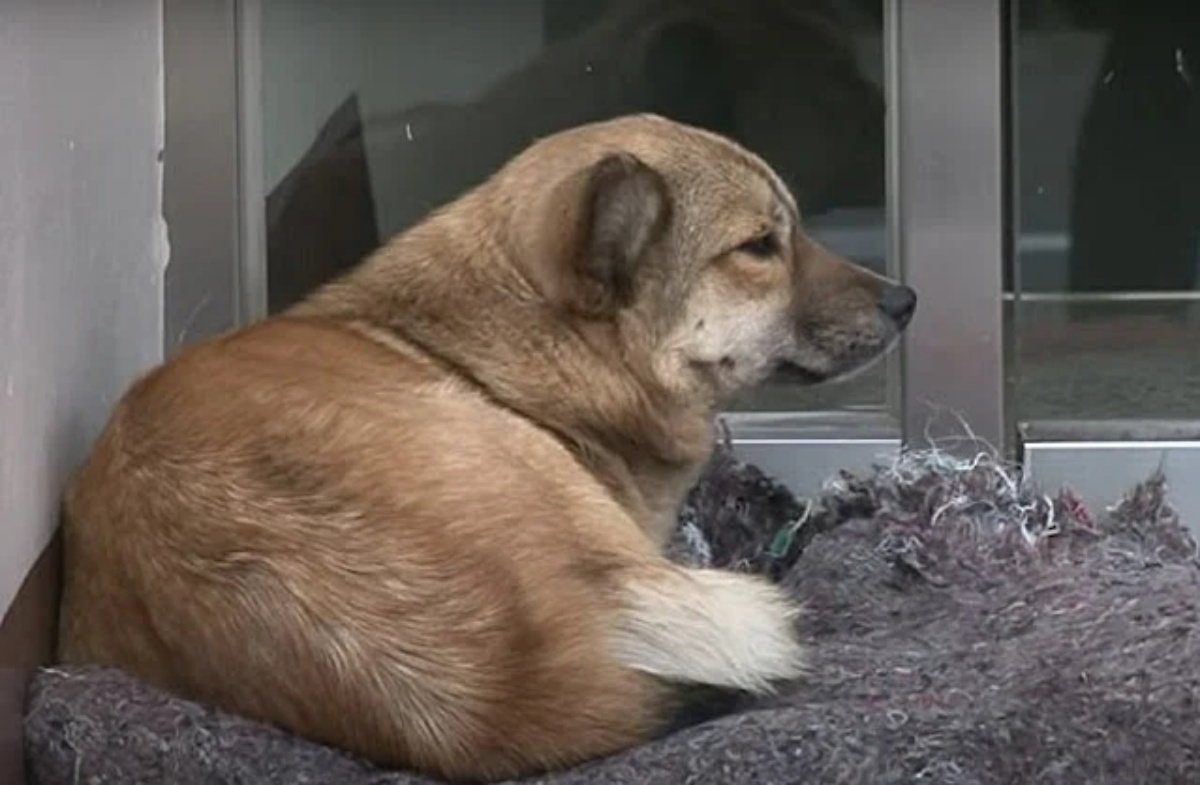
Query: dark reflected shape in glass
x,y
1107,153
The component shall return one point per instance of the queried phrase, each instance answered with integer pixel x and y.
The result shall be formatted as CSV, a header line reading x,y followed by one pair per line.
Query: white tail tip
x,y
711,627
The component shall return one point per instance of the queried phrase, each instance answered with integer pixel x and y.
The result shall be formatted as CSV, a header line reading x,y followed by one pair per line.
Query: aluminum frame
x,y
252,231
947,148
1102,471
201,170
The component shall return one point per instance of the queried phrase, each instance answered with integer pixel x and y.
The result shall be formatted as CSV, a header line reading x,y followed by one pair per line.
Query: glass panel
x,y
376,111
1105,316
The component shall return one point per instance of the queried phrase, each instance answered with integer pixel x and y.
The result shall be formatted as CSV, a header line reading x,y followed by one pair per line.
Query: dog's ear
x,y
626,209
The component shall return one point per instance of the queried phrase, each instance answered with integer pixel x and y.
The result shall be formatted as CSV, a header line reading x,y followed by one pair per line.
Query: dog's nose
x,y
898,302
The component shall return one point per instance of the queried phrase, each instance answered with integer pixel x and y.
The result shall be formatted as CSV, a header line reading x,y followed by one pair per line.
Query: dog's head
x,y
690,250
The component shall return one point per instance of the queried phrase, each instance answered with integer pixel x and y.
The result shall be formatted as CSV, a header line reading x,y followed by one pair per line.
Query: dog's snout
x,y
898,302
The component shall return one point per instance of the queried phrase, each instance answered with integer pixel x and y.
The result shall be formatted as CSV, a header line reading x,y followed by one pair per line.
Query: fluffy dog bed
x,y
963,628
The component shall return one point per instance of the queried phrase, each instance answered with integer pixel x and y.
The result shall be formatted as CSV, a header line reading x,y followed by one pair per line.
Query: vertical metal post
x,y
252,192
200,170
946,137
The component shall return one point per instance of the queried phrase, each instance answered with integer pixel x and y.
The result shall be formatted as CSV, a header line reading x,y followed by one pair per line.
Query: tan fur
x,y
420,515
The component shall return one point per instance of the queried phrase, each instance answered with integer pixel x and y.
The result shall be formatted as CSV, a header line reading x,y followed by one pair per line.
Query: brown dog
x,y
419,516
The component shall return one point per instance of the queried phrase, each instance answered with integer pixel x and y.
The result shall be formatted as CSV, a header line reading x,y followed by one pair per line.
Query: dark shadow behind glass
x,y
1107,98
780,76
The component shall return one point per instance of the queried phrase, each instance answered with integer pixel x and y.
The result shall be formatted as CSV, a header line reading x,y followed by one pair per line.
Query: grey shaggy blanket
x,y
963,629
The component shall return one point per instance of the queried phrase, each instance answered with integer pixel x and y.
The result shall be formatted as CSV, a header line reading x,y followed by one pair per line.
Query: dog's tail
x,y
711,627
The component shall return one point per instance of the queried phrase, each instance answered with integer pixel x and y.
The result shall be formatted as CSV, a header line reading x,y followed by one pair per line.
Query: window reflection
x,y
377,112
1108,183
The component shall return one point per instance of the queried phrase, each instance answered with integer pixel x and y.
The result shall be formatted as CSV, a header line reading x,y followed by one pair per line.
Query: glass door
x,y
1104,308
368,114
1030,167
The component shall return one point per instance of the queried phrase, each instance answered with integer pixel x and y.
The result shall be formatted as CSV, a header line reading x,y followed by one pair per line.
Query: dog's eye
x,y
762,247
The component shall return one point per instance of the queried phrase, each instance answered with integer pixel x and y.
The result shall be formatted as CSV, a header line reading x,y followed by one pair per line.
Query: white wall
x,y
82,243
